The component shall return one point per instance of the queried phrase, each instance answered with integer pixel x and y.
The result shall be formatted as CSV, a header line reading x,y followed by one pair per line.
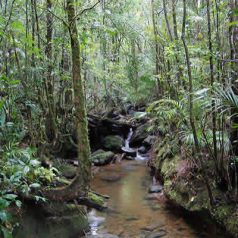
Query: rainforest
x,y
118,118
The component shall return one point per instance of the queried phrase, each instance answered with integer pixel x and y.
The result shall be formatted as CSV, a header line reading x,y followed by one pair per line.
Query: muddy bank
x,y
183,185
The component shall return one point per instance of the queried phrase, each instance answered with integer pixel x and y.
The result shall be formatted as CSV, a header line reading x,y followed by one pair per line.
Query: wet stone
x,y
150,197
102,236
155,189
152,227
129,151
129,158
132,218
142,150
158,234
111,178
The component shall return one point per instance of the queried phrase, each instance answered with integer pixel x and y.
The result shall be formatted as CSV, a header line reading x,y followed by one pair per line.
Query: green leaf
x,y
3,216
18,203
233,23
6,232
14,82
10,196
35,185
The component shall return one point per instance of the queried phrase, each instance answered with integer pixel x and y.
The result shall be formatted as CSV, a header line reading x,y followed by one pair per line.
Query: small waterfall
x,y
127,147
127,141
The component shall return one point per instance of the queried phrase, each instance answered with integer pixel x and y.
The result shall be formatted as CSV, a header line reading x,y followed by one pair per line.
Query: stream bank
x,y
184,186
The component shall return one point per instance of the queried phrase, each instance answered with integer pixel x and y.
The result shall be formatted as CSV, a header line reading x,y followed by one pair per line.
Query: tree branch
x,y
86,9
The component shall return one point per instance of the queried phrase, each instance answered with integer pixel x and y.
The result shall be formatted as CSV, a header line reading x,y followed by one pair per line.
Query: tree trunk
x,y
157,61
192,122
50,122
79,98
210,46
80,185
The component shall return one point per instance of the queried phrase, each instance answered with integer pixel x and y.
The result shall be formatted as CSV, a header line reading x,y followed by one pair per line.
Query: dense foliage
x,y
179,57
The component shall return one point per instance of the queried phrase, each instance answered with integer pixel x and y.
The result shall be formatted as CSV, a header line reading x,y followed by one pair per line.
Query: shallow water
x,y
133,212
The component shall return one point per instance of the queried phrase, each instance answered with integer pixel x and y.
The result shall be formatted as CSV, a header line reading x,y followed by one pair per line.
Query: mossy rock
x,y
68,171
96,199
168,168
227,215
140,134
62,220
102,157
113,143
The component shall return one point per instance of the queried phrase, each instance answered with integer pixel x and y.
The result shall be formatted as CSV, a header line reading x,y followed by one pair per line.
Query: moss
x,y
190,192
102,157
227,216
168,168
62,220
113,143
67,170
96,198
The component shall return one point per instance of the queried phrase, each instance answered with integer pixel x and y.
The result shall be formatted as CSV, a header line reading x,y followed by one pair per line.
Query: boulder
x,y
139,135
142,150
68,171
101,157
149,141
113,143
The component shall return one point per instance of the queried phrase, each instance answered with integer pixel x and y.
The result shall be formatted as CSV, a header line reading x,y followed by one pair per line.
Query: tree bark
x,y
79,99
210,46
50,123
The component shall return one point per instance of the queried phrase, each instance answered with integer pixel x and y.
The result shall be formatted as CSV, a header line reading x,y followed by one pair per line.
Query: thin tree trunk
x,y
214,124
157,61
167,21
192,123
51,123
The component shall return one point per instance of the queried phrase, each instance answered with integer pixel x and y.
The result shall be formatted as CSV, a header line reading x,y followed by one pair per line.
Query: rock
x,y
152,227
53,220
68,171
101,157
102,236
132,218
111,178
129,158
150,197
158,234
142,150
149,141
113,143
129,151
139,135
155,189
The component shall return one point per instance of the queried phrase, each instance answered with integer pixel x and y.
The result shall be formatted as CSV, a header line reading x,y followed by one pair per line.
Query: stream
x,y
133,212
